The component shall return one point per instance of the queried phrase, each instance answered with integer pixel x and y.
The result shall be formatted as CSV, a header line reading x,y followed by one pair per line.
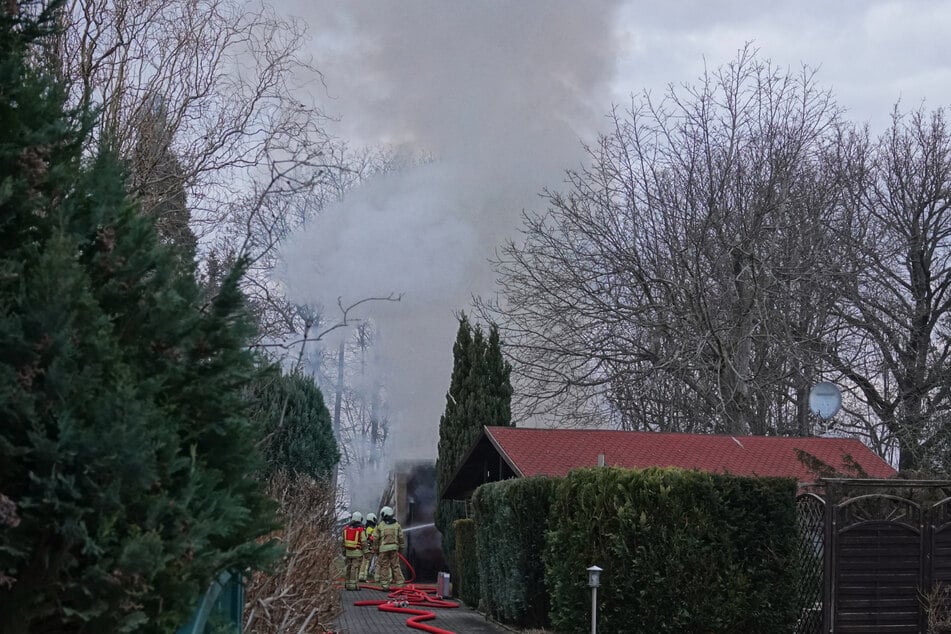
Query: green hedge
x,y
467,563
682,551
511,518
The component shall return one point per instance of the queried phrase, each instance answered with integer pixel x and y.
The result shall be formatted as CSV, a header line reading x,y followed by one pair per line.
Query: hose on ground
x,y
400,599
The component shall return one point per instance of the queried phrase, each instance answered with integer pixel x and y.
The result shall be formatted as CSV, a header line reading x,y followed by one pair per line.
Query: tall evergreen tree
x,y
498,404
480,394
125,444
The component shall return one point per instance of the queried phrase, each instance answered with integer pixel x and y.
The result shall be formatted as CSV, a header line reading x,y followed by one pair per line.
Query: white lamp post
x,y
594,580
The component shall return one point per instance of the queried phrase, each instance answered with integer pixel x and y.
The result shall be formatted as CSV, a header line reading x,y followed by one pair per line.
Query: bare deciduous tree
x,y
678,283
728,247
363,423
893,344
207,100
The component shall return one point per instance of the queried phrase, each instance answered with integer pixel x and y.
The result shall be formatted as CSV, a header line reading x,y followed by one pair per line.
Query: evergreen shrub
x,y
682,551
511,519
467,563
296,424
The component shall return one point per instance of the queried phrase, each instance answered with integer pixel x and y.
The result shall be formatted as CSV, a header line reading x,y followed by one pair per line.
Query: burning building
x,y
411,491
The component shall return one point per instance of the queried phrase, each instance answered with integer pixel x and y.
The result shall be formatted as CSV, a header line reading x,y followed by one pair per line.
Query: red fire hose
x,y
400,599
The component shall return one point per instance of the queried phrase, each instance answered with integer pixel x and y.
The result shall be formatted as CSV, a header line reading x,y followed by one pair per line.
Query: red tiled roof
x,y
554,452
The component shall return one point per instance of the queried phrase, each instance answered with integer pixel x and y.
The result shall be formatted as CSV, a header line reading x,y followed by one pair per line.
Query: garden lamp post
x,y
594,580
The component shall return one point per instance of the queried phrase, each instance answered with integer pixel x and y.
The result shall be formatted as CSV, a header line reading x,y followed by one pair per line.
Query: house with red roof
x,y
515,452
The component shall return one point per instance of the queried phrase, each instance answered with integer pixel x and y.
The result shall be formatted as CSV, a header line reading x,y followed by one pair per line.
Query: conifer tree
x,y
126,445
299,435
499,388
480,394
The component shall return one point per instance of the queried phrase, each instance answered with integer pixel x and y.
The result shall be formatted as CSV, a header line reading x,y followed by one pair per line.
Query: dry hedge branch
x,y
299,596
937,607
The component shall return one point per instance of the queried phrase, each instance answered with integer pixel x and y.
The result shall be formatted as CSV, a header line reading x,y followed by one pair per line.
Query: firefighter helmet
x,y
371,517
386,512
357,516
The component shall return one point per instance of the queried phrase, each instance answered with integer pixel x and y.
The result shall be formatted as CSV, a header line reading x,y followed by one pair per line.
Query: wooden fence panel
x,y
877,576
886,557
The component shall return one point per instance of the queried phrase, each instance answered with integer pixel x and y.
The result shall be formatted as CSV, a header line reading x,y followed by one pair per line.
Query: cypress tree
x,y
480,393
126,442
499,388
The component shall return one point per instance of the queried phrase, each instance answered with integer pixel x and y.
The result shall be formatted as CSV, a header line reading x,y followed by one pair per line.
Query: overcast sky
x,y
502,93
869,52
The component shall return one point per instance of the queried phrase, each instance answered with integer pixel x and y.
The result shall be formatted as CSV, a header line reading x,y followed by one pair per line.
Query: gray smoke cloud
x,y
501,94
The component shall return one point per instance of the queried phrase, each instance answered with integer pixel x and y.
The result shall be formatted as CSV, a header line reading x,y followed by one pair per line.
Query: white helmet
x,y
357,516
371,517
386,512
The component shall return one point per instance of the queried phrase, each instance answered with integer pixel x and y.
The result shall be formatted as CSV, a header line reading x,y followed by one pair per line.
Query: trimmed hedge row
x,y
467,565
682,551
511,518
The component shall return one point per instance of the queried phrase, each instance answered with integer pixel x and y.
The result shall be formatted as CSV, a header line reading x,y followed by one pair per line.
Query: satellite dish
x,y
825,399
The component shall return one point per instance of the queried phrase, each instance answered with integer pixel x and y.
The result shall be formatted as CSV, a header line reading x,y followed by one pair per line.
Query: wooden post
x,y
828,595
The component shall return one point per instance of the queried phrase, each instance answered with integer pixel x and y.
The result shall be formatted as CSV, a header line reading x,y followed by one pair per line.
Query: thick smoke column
x,y
501,94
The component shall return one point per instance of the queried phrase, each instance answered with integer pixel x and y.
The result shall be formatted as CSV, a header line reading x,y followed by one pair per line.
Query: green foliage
x,y
447,512
495,396
296,423
467,562
480,393
511,520
682,551
125,442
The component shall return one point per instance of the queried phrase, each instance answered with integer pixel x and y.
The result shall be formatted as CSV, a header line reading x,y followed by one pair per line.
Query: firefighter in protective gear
x,y
354,546
387,543
365,573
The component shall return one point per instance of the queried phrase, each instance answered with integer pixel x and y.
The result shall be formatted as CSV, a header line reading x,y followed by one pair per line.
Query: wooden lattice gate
x,y
886,557
810,592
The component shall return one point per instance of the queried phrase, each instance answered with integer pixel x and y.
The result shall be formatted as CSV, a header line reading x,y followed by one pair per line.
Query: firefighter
x,y
354,547
365,573
387,544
